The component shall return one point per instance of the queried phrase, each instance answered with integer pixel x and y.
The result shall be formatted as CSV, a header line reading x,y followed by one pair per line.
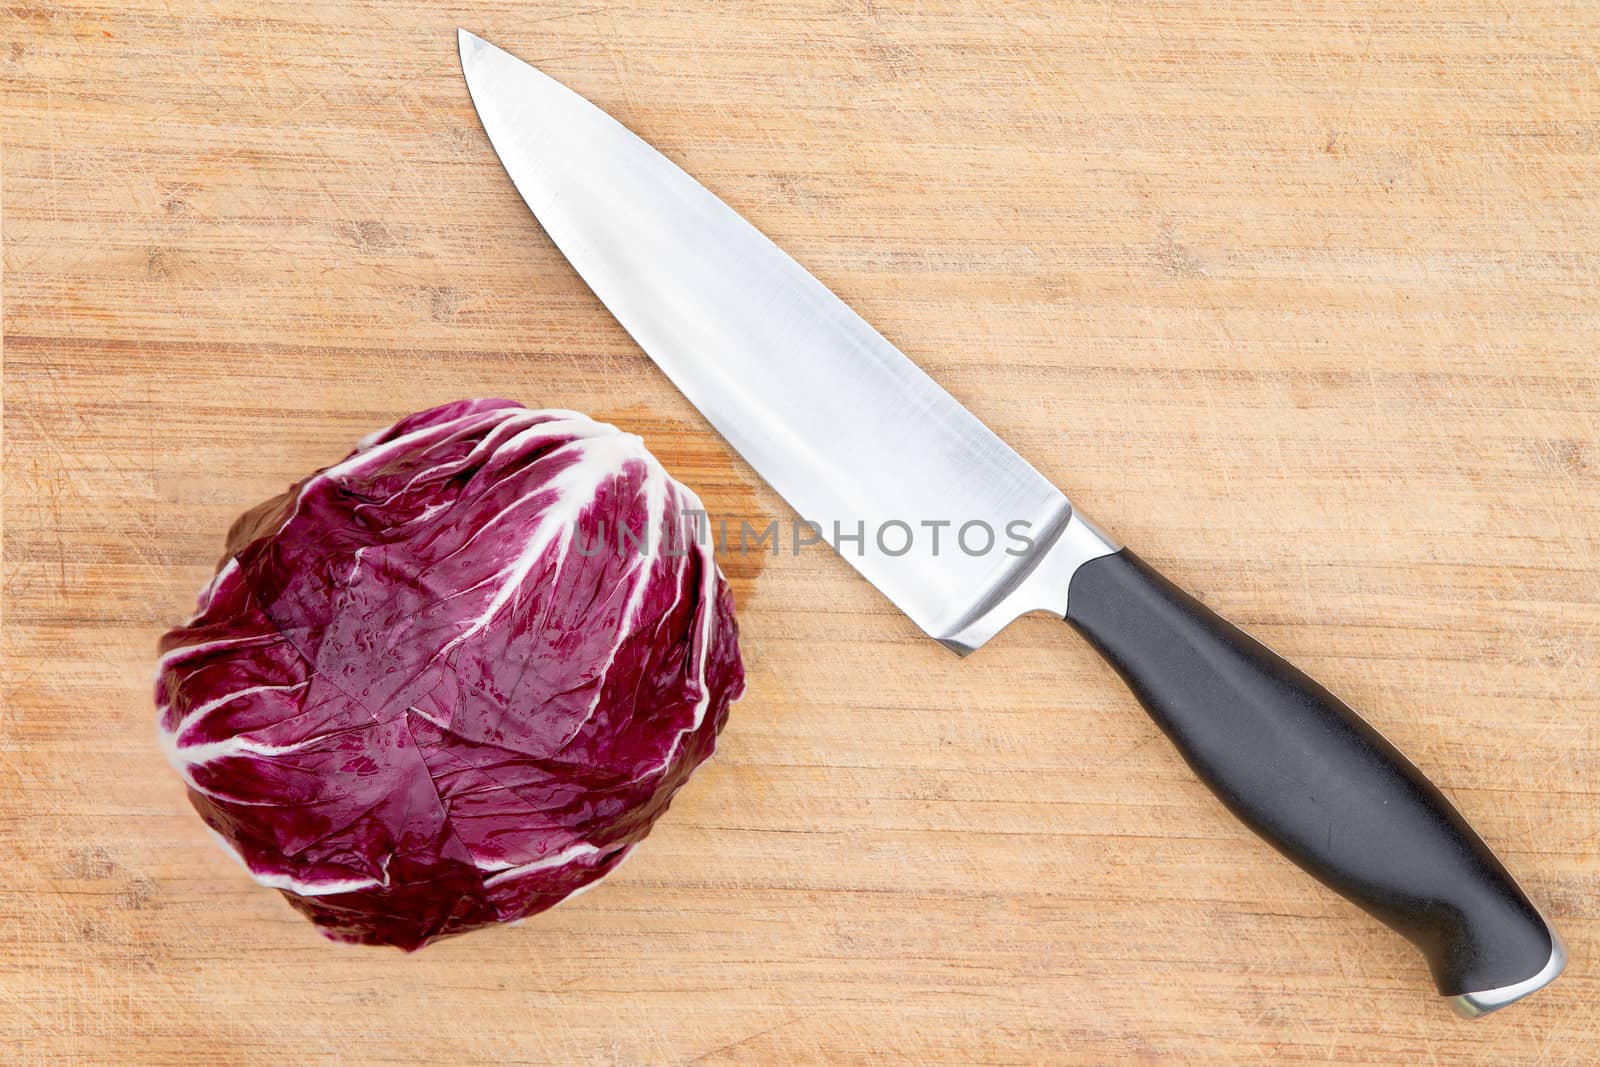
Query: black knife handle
x,y
1323,787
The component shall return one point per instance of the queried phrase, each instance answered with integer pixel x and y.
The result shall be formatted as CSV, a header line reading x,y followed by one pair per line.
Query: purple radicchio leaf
x,y
427,690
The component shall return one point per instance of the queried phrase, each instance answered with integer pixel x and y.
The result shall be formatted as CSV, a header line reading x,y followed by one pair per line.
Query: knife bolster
x,y
1039,582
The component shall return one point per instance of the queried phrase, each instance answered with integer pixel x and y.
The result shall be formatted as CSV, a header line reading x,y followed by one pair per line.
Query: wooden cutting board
x,y
1301,300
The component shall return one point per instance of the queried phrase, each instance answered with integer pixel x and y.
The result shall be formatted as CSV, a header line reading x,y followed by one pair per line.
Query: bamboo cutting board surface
x,y
1299,300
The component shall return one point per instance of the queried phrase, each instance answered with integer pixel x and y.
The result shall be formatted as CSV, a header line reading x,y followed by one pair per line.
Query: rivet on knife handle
x,y
1316,781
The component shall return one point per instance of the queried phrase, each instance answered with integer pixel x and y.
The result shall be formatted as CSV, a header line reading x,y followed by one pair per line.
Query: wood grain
x,y
1300,299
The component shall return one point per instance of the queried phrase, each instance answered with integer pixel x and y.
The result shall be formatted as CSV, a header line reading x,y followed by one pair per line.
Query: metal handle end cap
x,y
1477,1005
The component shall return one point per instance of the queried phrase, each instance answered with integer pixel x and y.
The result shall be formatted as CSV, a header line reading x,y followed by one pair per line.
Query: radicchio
x,y
426,691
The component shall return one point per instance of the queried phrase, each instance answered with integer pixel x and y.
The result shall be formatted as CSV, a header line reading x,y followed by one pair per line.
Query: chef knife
x,y
872,451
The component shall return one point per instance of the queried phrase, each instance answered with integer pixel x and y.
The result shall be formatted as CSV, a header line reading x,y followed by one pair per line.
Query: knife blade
x,y
801,386
860,441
